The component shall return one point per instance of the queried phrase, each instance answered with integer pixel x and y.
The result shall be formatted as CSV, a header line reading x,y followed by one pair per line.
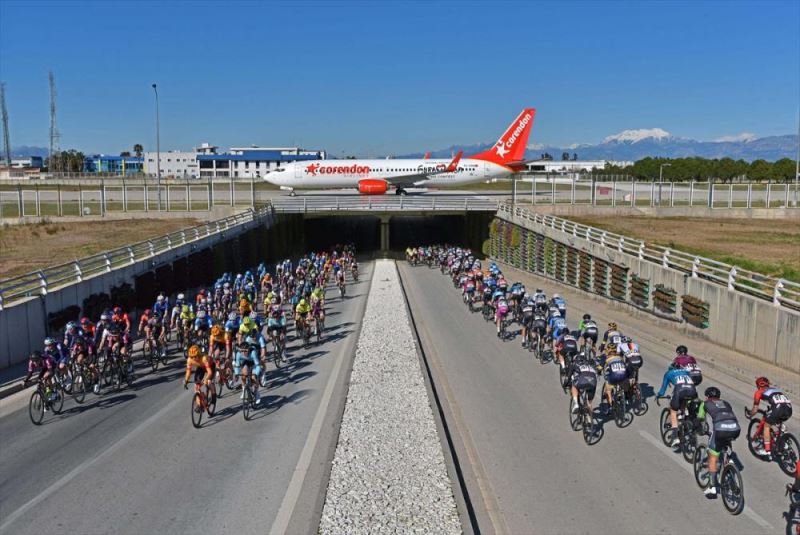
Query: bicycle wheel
x,y
638,403
564,378
230,382
58,403
247,401
197,410
732,489
787,453
79,388
163,353
700,465
36,407
665,429
688,441
754,441
211,408
574,417
152,356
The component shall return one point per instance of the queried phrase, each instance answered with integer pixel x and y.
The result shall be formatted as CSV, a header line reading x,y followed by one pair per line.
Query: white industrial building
x,y
252,162
571,166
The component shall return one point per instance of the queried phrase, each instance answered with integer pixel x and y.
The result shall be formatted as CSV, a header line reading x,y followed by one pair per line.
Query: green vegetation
x,y
685,169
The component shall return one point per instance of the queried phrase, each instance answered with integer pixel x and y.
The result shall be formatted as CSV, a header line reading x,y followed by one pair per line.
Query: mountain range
x,y
634,145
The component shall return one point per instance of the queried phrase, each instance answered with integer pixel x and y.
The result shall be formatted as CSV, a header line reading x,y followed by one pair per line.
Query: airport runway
x,y
528,472
131,462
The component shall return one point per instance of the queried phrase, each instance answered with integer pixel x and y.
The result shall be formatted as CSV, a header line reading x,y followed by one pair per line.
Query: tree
x,y
138,150
564,156
574,156
125,154
760,170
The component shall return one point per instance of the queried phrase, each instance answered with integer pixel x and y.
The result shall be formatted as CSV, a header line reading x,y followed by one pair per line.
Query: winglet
x,y
454,164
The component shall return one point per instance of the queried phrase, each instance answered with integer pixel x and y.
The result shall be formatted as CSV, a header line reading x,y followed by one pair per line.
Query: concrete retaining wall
x,y
23,325
578,210
736,320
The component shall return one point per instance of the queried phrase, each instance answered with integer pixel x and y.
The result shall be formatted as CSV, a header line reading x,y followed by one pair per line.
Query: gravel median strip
x,y
388,473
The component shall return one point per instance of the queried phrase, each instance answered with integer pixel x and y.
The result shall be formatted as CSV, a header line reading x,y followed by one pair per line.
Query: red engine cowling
x,y
372,186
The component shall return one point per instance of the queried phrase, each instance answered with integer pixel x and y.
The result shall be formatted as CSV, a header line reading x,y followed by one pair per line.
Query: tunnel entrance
x,y
468,230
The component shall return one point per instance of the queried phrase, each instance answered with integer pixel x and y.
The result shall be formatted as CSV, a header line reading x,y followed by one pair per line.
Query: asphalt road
x,y
131,462
528,472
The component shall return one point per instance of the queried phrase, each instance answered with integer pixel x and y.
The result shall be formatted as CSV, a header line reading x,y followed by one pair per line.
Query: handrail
x,y
781,292
42,281
382,203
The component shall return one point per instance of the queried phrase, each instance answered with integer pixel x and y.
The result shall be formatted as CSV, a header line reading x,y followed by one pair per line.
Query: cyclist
x,y
143,319
120,317
540,298
528,315
688,362
612,336
588,330
246,328
724,429
161,306
276,324
247,358
583,376
58,353
317,312
683,390
205,369
46,365
154,330
202,324
231,329
301,311
559,302
779,410
615,372
500,308
633,358
217,344
555,323
566,345
186,318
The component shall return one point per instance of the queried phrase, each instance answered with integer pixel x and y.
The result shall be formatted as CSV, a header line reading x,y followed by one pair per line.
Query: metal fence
x,y
780,291
39,283
383,203
634,193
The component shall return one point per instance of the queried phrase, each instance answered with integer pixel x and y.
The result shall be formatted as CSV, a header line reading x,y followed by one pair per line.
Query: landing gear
x,y
400,191
292,193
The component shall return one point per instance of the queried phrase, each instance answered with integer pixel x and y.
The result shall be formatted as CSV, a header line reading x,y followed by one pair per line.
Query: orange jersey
x,y
203,361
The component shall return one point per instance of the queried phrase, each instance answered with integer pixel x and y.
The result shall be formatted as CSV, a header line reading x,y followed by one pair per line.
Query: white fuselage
x,y
396,172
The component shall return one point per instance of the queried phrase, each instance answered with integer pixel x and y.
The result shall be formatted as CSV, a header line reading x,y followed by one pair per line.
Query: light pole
x,y
797,161
158,151
660,178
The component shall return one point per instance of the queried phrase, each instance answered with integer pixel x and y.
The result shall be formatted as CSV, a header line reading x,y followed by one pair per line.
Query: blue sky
x,y
379,77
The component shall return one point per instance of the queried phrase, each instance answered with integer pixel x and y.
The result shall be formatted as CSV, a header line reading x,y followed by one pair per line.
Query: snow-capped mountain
x,y
655,142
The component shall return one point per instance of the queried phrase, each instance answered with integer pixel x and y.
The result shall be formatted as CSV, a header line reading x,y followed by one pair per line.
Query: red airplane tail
x,y
510,147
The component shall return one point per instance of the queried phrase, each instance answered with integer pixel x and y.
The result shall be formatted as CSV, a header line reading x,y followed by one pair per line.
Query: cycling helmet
x,y
713,392
85,321
215,330
627,339
160,298
147,311
103,317
232,316
201,314
587,317
556,296
118,310
181,297
194,351
762,382
246,321
673,365
612,326
70,326
681,350
36,356
49,341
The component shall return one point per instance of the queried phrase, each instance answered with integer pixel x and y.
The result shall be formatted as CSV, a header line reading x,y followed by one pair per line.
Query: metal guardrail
x,y
39,283
383,203
780,291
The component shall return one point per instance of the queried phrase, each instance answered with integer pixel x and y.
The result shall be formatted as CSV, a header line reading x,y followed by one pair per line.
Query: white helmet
x,y
201,314
556,296
181,297
160,298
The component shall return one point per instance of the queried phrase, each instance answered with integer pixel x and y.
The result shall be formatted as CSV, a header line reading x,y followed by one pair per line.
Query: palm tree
x,y
138,150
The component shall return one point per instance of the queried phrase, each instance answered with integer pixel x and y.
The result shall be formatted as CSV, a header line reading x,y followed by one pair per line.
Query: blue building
x,y
118,165
252,162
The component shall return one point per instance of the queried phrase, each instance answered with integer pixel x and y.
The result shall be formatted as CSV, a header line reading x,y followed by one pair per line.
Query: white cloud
x,y
744,136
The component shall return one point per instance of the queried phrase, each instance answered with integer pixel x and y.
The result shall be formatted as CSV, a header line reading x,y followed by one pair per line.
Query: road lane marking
x,y
72,474
748,512
286,510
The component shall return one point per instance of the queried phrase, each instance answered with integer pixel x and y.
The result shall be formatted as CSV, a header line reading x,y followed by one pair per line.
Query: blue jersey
x,y
202,323
161,308
675,377
232,326
556,323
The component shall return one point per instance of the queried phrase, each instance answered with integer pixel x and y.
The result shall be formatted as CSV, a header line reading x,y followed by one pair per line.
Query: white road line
x,y
748,512
72,474
281,522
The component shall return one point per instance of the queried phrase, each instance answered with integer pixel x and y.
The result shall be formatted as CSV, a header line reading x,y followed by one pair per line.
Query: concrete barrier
x,y
754,326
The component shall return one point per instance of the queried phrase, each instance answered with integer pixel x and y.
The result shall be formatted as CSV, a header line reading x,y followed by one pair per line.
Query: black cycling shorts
x,y
723,433
779,413
585,382
590,335
200,372
682,393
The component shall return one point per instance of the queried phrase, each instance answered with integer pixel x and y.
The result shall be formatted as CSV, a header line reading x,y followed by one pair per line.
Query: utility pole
x,y
54,135
797,161
158,151
4,111
661,178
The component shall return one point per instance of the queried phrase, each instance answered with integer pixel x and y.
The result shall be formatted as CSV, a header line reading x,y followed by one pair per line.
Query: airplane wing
x,y
412,179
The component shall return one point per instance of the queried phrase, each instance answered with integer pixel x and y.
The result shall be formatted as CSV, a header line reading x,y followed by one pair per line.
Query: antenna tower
x,y
54,134
4,111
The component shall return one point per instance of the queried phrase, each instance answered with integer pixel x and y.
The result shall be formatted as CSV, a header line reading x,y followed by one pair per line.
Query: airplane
x,y
375,177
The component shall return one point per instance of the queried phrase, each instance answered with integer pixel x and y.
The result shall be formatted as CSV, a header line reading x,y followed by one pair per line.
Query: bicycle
x,y
665,421
249,399
78,372
40,400
563,373
584,420
619,406
730,479
785,447
151,353
204,400
793,515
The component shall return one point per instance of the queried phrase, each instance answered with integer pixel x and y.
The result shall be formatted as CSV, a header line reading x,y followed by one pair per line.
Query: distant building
x,y
571,166
29,162
174,164
252,162
118,165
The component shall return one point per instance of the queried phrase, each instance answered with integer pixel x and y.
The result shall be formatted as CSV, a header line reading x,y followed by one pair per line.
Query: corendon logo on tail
x,y
355,169
502,147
